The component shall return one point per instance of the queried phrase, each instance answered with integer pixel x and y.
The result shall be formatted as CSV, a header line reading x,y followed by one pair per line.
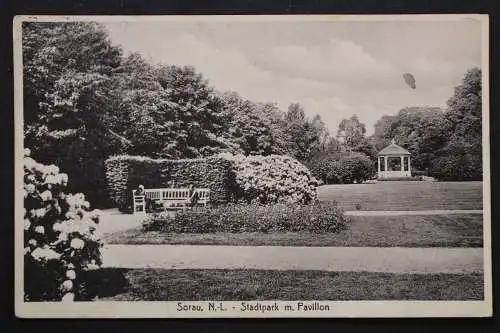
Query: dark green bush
x,y
342,168
416,173
458,161
234,218
125,173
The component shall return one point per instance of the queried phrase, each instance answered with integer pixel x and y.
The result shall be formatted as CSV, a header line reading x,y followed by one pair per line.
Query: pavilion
x,y
394,162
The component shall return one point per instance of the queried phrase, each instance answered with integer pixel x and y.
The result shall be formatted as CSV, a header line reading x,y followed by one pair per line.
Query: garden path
x,y
371,259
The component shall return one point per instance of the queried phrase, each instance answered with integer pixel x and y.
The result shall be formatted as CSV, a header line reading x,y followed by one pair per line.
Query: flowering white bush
x,y
273,179
60,235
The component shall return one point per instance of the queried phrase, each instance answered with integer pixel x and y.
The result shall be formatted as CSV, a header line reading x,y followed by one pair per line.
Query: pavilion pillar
x,y
409,169
378,160
385,163
402,163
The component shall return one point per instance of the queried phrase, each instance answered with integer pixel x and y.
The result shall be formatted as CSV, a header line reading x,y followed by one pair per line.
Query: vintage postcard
x,y
252,166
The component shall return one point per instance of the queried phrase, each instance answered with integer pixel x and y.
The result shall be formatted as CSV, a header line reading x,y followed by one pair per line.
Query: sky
x,y
334,68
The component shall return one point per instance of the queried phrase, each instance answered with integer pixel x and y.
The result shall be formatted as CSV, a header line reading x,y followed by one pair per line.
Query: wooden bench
x,y
169,198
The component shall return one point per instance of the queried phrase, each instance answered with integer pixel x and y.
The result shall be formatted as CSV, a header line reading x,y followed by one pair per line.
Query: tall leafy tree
x,y
461,158
351,131
307,136
254,128
68,70
197,120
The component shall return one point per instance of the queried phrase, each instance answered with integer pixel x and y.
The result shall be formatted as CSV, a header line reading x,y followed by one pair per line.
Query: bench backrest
x,y
204,194
174,193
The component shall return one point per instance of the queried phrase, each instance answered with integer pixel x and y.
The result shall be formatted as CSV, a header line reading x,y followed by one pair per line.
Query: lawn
x,y
405,195
233,285
381,231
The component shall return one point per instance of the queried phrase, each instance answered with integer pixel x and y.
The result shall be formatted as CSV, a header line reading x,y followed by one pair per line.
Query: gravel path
x,y
388,260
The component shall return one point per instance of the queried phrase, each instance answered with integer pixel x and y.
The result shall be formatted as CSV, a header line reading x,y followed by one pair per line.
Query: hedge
x,y
319,217
124,173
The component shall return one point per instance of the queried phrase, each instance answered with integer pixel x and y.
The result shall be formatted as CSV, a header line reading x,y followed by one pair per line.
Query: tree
x,y
383,129
351,132
295,114
320,132
197,120
68,70
461,158
307,136
254,128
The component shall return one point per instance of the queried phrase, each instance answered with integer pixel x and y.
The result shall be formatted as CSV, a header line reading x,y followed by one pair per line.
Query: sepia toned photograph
x,y
252,166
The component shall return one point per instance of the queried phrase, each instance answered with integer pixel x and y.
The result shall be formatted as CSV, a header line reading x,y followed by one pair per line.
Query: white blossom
x,y
51,179
40,229
77,243
67,285
40,212
68,297
30,188
46,195
29,163
45,253
70,274
63,178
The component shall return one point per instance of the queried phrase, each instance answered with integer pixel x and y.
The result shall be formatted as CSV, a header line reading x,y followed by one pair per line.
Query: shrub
x,y
61,241
234,218
416,173
125,173
345,168
272,179
321,165
458,162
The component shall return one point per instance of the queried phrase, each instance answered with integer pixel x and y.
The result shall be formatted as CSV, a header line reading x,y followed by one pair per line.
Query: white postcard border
x,y
349,309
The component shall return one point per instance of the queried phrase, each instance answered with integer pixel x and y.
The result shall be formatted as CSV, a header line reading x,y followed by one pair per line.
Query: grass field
x,y
405,195
234,285
384,231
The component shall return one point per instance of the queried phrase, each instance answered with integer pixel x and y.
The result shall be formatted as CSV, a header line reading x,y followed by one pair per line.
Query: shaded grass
x,y
405,195
234,285
372,231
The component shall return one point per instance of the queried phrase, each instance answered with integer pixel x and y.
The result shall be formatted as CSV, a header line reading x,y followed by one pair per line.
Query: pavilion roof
x,y
394,149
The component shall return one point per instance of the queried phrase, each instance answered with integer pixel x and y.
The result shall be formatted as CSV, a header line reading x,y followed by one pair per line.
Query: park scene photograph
x,y
217,159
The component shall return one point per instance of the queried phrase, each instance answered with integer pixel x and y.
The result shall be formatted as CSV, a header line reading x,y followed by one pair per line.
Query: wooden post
x,y
402,163
385,164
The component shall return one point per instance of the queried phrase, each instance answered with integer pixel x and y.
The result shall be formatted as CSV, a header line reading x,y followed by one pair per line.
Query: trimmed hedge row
x,y
319,217
124,173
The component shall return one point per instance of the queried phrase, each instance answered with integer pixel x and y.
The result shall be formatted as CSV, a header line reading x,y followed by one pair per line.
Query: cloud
x,y
335,61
